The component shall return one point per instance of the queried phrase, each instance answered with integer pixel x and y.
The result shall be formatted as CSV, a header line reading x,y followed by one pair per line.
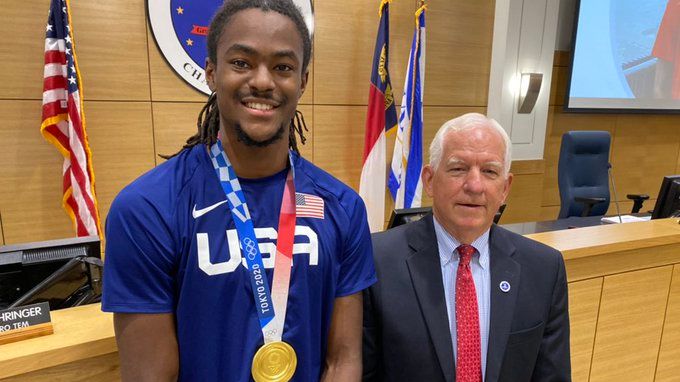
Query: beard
x,y
242,136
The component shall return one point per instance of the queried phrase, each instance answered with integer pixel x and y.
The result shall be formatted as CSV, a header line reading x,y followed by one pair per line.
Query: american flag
x,y
308,206
63,121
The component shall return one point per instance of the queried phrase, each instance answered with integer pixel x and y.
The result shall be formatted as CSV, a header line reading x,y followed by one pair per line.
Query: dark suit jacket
x,y
406,326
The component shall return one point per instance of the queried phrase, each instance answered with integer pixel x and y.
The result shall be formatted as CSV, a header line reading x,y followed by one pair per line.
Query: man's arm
x,y
147,346
343,359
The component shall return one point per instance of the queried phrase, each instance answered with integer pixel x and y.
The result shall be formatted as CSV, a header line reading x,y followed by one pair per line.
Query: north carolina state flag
x,y
380,118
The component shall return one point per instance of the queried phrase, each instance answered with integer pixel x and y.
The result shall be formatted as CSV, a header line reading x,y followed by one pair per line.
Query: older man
x,y
459,298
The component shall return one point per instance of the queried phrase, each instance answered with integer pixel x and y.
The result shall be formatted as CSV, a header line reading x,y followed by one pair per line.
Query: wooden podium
x,y
624,305
624,299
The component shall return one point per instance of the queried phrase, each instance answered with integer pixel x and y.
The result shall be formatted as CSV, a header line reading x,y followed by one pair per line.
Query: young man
x,y
459,298
187,242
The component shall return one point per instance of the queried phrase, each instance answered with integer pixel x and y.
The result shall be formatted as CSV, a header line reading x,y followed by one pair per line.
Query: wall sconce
x,y
530,85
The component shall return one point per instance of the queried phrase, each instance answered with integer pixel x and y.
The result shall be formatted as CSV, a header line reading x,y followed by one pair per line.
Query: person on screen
x,y
459,298
667,50
237,258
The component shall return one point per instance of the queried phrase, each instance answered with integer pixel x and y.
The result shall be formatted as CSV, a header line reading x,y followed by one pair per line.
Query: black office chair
x,y
583,175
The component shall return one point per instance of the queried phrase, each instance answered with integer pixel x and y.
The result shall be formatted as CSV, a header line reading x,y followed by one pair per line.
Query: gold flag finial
x,y
382,5
420,10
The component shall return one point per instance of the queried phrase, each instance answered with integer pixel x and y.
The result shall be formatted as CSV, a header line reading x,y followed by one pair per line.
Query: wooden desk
x,y
82,348
624,297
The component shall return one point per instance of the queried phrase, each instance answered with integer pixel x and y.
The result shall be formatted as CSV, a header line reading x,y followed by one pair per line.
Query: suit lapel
x,y
426,276
503,268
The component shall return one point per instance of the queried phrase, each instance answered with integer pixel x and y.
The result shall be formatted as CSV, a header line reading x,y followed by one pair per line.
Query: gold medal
x,y
274,362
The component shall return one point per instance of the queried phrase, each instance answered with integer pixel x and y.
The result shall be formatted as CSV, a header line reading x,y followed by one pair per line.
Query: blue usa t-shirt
x,y
171,247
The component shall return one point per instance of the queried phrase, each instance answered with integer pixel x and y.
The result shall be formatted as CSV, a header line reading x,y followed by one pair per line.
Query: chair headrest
x,y
586,142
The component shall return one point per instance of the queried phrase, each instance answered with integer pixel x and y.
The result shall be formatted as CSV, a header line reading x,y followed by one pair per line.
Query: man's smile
x,y
258,106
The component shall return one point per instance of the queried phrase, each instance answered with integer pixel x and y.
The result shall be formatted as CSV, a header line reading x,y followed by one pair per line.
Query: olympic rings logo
x,y
249,247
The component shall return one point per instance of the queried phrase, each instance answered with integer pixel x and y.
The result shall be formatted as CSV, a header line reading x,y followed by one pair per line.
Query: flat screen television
x,y
668,202
64,273
625,57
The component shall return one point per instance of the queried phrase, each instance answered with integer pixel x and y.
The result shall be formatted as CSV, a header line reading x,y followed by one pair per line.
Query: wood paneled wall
x,y
136,107
2,236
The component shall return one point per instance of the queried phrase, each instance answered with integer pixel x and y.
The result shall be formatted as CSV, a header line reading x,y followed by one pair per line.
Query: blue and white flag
x,y
407,161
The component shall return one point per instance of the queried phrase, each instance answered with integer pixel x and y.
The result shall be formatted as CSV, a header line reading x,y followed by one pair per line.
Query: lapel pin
x,y
505,286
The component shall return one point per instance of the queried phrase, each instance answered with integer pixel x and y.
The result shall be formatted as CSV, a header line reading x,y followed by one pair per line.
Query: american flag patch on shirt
x,y
308,206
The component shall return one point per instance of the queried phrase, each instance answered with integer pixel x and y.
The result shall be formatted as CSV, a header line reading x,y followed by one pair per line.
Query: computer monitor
x,y
407,215
64,273
668,201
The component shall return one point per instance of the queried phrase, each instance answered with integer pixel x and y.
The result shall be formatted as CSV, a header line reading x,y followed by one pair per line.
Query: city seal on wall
x,y
180,28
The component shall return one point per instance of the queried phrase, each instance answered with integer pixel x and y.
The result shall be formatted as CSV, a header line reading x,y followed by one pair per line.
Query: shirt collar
x,y
447,245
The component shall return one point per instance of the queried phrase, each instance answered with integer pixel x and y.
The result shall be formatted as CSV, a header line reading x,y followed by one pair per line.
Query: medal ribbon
x,y
270,305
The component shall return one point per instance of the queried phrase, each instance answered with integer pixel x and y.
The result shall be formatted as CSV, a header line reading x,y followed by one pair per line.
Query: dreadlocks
x,y
208,123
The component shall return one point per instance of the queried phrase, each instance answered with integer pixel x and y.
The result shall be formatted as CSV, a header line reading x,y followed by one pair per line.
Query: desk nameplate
x,y
25,322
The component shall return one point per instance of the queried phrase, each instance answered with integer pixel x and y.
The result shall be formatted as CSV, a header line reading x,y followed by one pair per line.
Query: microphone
x,y
616,200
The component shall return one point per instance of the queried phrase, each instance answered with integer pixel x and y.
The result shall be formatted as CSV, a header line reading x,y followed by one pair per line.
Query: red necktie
x,y
469,363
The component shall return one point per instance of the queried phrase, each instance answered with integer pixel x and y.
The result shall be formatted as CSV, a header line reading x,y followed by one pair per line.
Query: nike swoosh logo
x,y
198,213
